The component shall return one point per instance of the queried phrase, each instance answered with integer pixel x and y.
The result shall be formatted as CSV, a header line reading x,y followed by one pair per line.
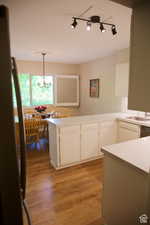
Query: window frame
x,y
55,90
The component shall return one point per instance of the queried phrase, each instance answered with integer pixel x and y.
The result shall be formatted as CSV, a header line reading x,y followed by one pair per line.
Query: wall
x,y
104,69
34,67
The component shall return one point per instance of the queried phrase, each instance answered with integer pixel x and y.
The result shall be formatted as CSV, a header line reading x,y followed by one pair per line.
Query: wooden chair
x,y
43,128
35,129
31,130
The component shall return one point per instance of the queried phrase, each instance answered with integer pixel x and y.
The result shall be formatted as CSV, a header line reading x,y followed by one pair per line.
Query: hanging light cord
x,y
44,83
43,54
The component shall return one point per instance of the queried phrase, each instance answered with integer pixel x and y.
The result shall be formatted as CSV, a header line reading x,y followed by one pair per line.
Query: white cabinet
x,y
89,141
108,133
122,79
128,131
125,188
69,145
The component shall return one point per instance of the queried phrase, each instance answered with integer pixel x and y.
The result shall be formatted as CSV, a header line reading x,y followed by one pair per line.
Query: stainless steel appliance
x,y
12,163
145,131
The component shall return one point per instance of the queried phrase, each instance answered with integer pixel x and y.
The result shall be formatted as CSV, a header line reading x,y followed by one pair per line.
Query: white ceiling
x,y
37,25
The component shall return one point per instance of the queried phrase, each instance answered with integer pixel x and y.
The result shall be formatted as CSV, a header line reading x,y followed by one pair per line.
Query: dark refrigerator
x,y
12,164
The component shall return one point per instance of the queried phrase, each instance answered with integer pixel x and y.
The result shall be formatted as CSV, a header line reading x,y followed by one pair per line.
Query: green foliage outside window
x,y
31,93
40,95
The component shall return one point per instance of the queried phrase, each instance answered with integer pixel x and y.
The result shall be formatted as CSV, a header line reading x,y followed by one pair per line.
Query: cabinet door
x,y
108,133
128,131
69,145
125,134
89,141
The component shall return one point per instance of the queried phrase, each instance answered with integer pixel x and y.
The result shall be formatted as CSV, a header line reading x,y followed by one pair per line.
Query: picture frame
x,y
94,88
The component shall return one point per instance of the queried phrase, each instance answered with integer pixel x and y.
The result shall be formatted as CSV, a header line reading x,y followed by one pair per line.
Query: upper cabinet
x,y
66,90
139,79
122,79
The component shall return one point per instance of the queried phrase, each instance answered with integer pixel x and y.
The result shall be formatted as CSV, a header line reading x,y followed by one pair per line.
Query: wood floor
x,y
71,196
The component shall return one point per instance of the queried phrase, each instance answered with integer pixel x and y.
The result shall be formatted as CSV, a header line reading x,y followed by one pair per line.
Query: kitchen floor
x,y
70,196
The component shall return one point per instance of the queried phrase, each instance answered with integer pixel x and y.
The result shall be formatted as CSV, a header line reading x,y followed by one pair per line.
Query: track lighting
x,y
94,19
102,28
74,24
88,26
113,29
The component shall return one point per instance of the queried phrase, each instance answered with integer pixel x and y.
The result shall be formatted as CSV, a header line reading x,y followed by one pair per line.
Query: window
x,y
31,93
41,96
67,90
24,81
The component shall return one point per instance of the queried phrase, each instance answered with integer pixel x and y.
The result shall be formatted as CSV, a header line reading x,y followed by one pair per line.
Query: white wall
x,y
34,67
104,69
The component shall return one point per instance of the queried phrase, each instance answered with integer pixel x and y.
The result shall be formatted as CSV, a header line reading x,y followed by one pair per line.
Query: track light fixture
x,y
88,26
113,29
102,28
74,24
94,19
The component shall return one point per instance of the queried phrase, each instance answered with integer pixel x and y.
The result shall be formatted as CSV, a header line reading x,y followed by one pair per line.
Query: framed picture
x,y
94,88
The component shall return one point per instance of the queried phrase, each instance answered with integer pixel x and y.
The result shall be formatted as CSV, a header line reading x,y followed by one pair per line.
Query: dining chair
x,y
31,131
35,129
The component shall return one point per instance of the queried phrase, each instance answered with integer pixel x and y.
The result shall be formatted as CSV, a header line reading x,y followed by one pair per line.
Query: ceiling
x,y
44,25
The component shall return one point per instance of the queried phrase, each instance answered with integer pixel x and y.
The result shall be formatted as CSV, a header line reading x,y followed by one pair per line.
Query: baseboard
x,y
76,163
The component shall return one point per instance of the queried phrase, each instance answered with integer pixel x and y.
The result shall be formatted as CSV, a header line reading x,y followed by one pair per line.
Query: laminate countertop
x,y
134,121
75,120
135,152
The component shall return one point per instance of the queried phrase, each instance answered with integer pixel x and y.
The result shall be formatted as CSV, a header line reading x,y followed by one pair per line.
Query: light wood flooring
x,y
70,196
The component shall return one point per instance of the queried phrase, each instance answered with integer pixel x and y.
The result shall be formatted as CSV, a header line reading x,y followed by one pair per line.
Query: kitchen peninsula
x,y
126,182
75,140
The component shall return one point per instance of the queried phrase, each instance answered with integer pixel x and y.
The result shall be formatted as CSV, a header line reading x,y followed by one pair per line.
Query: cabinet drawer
x,y
129,126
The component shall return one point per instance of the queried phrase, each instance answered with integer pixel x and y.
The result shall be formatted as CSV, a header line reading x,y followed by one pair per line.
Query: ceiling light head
x,y
74,24
102,28
113,29
88,26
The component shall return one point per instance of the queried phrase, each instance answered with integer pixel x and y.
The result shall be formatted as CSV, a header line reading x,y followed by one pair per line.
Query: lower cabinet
x,y
128,131
89,141
76,143
108,133
124,192
69,145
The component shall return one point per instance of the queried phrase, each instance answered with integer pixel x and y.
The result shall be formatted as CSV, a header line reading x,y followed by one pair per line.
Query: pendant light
x,y
44,83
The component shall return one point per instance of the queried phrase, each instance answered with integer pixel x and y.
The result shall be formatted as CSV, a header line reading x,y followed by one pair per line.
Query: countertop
x,y
134,152
97,118
133,121
75,120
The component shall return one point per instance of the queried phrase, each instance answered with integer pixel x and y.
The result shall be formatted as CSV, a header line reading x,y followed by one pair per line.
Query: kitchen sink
x,y
138,118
